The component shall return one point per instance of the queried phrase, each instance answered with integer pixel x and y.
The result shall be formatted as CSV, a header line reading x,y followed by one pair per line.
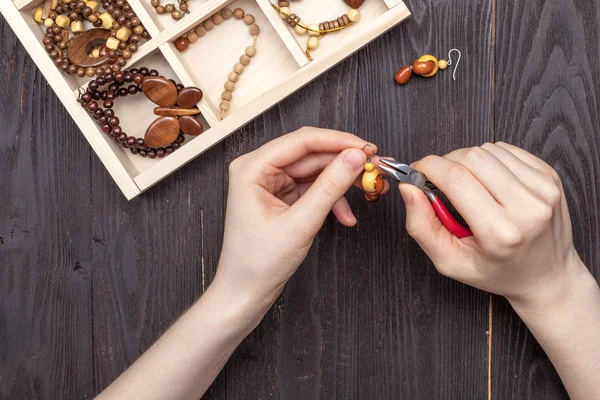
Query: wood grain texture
x,y
547,90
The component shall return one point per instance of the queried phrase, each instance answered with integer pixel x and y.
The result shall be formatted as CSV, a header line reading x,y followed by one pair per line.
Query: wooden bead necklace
x,y
163,136
96,51
426,66
372,180
183,42
184,8
317,31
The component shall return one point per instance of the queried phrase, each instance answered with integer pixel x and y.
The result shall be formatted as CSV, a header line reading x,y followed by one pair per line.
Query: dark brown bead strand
x,y
110,123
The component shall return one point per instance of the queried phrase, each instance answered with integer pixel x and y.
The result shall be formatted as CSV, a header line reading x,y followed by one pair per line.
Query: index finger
x,y
294,146
470,198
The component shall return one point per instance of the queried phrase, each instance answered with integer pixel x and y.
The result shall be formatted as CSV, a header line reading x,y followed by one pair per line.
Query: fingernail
x,y
351,216
354,160
406,194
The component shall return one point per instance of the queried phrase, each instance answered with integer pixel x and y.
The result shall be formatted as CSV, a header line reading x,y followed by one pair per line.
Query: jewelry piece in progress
x,y
176,110
372,181
94,52
184,8
183,42
426,66
317,31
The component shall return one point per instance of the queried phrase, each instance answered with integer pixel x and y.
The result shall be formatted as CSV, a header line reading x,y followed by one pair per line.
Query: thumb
x,y
332,184
424,226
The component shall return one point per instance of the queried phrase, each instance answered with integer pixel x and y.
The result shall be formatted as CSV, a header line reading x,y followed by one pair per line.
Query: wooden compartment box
x,y
279,68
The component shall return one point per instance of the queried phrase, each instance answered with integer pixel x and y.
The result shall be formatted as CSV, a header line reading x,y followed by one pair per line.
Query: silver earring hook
x,y
457,61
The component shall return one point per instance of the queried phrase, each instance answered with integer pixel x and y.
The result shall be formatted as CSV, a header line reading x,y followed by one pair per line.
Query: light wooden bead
x,y
96,53
233,77
63,21
89,72
250,51
112,43
284,10
38,15
238,68
443,64
49,22
254,30
249,19
123,34
209,25
77,26
200,30
225,105
313,43
229,86
193,37
217,19
91,4
227,95
238,13
227,13
312,28
300,30
107,20
244,60
353,15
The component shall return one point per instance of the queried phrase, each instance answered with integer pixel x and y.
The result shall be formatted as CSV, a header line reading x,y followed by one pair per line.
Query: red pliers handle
x,y
446,218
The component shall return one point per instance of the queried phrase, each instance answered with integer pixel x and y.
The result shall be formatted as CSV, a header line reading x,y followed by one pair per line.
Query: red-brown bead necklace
x,y
110,123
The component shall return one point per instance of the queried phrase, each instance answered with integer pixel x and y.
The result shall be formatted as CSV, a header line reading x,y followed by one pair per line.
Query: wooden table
x,y
88,280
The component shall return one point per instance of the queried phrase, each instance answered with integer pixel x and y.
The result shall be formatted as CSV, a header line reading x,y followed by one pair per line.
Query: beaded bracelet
x,y
184,8
200,30
88,52
317,31
139,78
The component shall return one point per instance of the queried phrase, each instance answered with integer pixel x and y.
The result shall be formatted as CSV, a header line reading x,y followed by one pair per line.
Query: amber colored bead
x,y
403,75
182,43
423,67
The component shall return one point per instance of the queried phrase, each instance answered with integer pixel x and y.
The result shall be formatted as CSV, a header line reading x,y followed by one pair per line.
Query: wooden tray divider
x,y
23,5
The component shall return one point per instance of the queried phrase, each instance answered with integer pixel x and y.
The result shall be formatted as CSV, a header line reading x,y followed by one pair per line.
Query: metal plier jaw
x,y
405,174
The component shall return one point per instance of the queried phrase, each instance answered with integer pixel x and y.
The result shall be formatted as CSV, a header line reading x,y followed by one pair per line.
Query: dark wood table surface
x,y
88,280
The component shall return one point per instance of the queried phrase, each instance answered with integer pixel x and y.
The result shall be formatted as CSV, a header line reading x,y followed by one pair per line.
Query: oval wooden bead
x,y
423,67
81,45
175,111
162,132
403,75
160,91
188,97
254,30
190,125
354,3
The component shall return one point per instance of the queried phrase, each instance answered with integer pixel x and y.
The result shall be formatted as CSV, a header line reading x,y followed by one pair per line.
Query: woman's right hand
x,y
514,203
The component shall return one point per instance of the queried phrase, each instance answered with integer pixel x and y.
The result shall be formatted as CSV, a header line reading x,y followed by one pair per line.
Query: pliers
x,y
404,173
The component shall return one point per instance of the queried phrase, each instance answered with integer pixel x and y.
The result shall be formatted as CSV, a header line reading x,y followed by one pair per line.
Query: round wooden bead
x,y
217,19
225,105
227,13
227,95
182,43
244,60
200,30
233,77
300,30
354,15
238,13
254,30
229,86
238,68
250,51
209,25
443,64
313,30
249,19
313,43
192,37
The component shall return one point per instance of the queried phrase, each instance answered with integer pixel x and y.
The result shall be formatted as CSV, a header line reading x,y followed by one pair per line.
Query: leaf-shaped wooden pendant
x,y
162,132
190,125
188,97
354,3
81,45
160,91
